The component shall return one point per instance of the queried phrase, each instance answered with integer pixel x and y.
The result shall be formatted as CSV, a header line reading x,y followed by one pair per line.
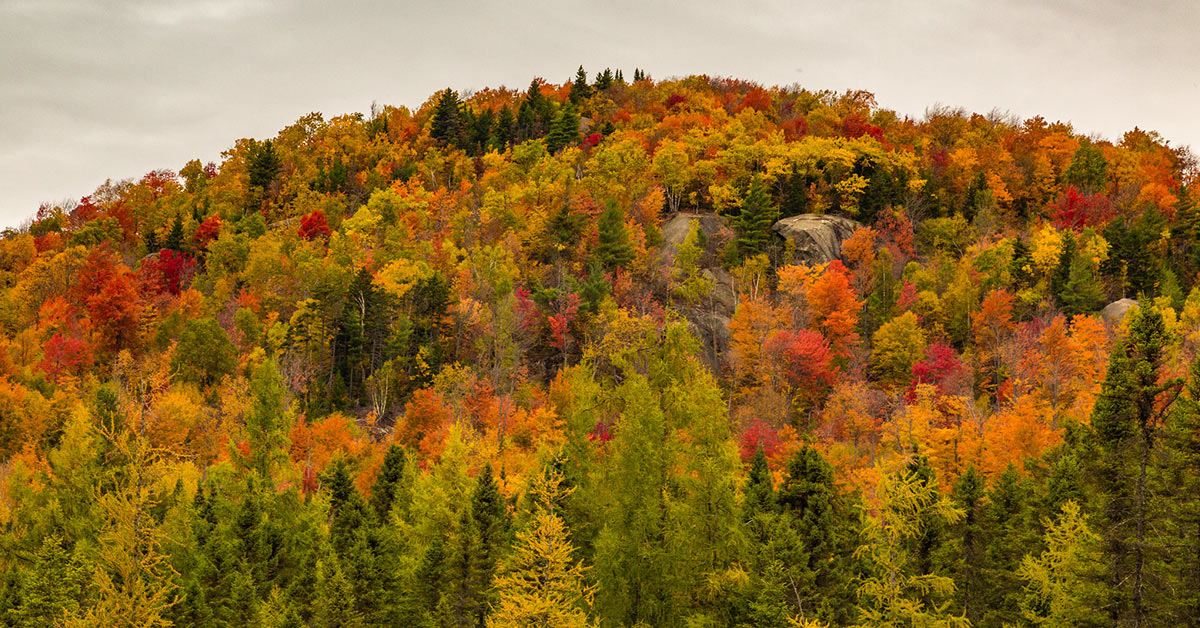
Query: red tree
x,y
314,226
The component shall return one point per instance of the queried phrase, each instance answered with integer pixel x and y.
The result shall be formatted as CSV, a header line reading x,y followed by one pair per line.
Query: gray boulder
x,y
1114,312
817,237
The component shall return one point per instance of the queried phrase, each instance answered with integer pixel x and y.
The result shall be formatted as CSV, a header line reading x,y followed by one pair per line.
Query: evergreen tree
x,y
175,235
969,539
1009,536
446,123
1088,170
580,90
263,165
1126,421
613,249
754,220
388,483
1178,492
503,130
604,80
565,130
489,515
265,423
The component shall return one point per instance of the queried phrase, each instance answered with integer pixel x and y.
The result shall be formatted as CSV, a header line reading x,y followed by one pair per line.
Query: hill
x,y
612,352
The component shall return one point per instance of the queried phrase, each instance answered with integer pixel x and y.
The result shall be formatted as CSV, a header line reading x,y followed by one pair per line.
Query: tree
x,y
313,226
564,131
446,124
754,220
1127,421
897,592
613,248
580,90
541,583
204,353
898,344
388,484
265,422
1179,492
1061,583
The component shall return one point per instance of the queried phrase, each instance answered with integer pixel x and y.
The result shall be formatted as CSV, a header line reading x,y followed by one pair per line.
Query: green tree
x,y
1178,491
541,583
896,592
204,353
1061,584
580,90
564,131
1126,421
613,248
754,220
1088,170
446,123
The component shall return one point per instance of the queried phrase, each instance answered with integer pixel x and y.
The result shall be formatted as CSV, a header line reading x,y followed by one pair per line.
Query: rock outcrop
x,y
1114,312
817,237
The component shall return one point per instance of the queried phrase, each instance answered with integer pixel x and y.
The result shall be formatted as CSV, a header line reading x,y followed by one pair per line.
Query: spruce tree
x,y
1126,421
175,235
754,220
1178,491
446,124
564,131
388,483
489,515
968,545
613,248
580,90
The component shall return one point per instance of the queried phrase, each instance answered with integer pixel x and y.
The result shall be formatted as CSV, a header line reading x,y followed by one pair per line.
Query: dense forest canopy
x,y
612,352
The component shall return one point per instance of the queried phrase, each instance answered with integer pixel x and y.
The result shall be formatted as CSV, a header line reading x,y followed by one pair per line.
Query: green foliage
x,y
614,249
754,220
204,354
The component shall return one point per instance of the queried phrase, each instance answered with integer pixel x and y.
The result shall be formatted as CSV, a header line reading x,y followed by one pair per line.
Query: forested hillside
x,y
612,352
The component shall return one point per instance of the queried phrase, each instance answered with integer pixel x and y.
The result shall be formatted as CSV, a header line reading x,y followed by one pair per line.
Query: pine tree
x,y
446,124
1126,421
333,600
564,131
503,130
175,235
1009,536
613,249
754,221
604,80
388,484
580,90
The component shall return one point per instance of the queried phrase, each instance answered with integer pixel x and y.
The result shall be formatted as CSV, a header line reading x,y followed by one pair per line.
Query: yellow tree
x,y
542,584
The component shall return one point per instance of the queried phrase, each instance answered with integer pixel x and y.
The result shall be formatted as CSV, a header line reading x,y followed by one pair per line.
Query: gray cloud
x,y
113,89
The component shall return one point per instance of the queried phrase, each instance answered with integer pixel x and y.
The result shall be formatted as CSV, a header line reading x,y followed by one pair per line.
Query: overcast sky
x,y
99,89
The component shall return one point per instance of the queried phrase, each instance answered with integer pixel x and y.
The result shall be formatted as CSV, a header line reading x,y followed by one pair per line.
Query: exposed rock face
x,y
817,237
675,230
713,331
709,320
1114,312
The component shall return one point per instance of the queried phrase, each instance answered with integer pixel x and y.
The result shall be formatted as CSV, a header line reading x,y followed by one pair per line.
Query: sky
x,y
92,90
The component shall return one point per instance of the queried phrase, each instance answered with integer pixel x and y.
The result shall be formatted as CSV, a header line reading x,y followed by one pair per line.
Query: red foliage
x,y
907,297
85,211
806,358
158,180
794,128
757,99
1073,210
675,100
857,126
529,315
560,322
941,368
65,354
592,140
208,231
169,271
759,434
314,226
114,310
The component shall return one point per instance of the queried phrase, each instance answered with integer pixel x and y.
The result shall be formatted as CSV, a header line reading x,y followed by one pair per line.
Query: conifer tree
x,y
898,591
175,235
580,90
564,131
1126,421
613,249
754,220
541,583
388,484
446,124
1179,493
489,515
1062,582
